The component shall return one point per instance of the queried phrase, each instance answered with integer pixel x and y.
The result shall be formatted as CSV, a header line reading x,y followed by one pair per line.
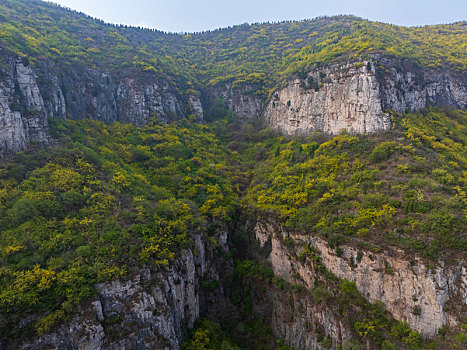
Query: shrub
x,y
417,310
442,176
352,345
24,209
461,339
349,292
383,151
72,199
84,251
321,293
327,342
402,331
387,345
339,251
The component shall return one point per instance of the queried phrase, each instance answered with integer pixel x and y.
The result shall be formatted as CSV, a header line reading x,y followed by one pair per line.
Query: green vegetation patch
x,y
107,199
409,191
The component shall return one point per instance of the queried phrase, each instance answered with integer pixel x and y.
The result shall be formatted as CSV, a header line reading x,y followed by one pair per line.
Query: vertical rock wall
x,y
387,276
340,97
240,99
151,310
23,116
29,96
357,95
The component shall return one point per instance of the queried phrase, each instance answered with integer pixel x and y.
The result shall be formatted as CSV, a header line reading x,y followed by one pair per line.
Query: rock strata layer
x,y
31,95
357,96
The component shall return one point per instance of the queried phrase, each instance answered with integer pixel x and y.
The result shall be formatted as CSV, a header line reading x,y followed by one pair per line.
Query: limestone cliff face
x,y
29,96
23,116
386,276
299,321
405,86
240,99
355,96
130,97
343,97
151,310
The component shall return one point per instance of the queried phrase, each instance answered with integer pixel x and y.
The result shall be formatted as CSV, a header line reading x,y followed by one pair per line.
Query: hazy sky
x,y
197,15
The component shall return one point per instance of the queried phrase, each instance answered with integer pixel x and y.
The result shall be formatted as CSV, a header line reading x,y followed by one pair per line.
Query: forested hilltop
x,y
287,185
264,53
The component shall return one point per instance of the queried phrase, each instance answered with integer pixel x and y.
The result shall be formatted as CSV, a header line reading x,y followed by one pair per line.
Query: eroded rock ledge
x,y
387,276
151,310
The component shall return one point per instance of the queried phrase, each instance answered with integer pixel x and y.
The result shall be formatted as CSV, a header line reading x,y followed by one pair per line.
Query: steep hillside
x,y
62,64
105,202
245,53
129,234
268,186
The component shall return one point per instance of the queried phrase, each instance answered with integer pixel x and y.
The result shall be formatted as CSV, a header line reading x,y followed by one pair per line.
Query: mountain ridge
x,y
85,69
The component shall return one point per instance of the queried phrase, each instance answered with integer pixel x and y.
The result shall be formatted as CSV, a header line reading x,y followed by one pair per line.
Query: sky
x,y
199,15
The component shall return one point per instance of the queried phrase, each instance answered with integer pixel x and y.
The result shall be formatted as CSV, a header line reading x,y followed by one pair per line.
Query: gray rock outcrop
x,y
337,98
23,117
379,276
30,96
357,96
151,310
240,99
